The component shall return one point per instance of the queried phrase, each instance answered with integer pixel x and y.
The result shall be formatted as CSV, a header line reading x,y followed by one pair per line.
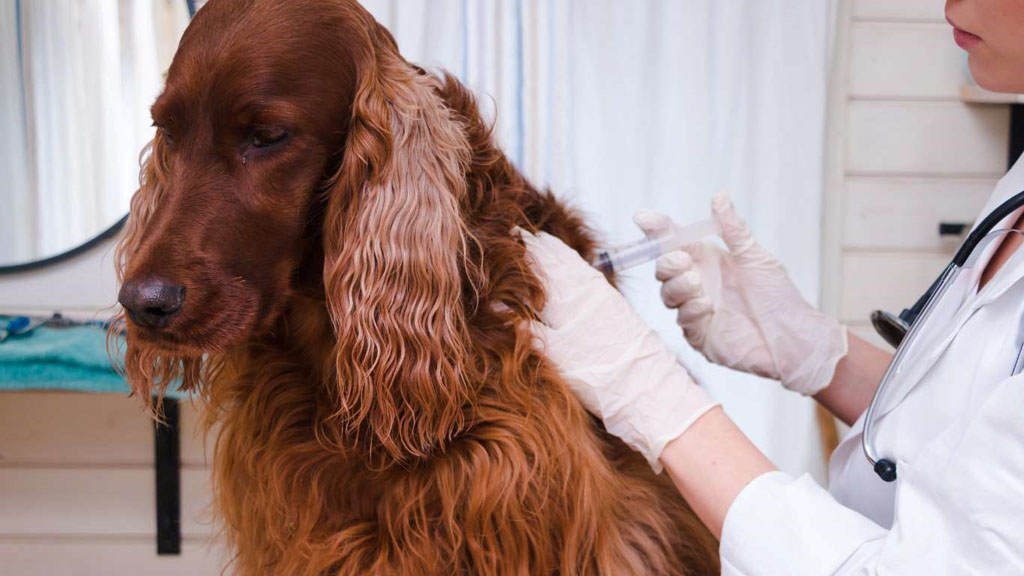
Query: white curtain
x,y
78,85
658,104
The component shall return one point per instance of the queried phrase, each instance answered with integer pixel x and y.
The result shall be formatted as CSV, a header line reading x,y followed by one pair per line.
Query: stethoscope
x,y
903,332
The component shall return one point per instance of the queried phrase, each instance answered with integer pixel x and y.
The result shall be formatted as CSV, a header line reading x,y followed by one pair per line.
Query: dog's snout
x,y
151,302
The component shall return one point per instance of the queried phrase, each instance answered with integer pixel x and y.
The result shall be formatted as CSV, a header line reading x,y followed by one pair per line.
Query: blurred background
x,y
847,131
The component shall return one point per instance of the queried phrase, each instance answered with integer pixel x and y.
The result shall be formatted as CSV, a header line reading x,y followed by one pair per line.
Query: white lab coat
x,y
954,423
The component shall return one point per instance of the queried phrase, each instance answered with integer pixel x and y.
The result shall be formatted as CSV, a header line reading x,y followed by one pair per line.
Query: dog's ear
x,y
148,371
395,249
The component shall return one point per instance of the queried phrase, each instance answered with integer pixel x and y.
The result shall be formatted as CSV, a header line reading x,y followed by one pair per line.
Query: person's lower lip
x,y
964,39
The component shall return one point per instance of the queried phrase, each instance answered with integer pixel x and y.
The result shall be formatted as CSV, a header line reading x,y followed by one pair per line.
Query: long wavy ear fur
x,y
395,261
149,371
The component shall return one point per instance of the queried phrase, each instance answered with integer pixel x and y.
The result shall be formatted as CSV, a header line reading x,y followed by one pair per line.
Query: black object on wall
x,y
168,480
1016,132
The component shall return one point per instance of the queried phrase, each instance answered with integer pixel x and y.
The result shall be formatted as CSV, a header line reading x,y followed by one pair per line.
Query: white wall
x,y
77,489
906,154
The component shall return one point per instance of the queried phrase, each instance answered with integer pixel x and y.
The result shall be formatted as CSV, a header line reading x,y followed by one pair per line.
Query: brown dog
x,y
322,247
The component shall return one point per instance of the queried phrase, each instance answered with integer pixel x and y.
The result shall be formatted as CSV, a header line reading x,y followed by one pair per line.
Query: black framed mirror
x,y
76,82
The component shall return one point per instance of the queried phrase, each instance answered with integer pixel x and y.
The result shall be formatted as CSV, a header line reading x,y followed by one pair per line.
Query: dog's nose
x,y
151,302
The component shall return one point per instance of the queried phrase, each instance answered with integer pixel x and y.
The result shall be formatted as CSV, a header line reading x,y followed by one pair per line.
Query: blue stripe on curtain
x,y
520,108
17,23
21,69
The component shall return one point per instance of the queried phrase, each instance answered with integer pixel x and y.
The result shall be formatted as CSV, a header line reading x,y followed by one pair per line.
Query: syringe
x,y
650,248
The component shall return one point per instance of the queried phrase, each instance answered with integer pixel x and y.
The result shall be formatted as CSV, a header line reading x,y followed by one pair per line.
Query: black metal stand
x,y
1016,132
168,480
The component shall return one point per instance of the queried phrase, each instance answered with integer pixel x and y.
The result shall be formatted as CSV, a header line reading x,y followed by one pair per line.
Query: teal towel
x,y
72,358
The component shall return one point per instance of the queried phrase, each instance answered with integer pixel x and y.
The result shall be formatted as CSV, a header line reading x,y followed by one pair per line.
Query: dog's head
x,y
297,152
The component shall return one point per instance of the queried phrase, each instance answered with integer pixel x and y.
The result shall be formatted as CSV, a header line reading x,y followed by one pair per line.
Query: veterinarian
x,y
951,423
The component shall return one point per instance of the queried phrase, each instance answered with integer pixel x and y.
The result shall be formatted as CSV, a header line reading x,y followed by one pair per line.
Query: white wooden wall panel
x,y
68,429
904,213
926,10
96,501
905,60
77,492
933,138
105,558
888,282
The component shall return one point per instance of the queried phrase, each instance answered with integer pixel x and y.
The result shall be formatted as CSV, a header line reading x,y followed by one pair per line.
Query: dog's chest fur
x,y
532,486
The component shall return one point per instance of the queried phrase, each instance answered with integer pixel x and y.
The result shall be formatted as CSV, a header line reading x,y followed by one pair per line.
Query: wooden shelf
x,y
975,94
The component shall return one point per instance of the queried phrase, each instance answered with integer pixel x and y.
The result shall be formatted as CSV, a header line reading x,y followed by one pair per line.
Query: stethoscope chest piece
x,y
889,327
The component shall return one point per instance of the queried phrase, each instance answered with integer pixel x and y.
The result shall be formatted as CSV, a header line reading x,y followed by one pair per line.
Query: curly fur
x,y
364,362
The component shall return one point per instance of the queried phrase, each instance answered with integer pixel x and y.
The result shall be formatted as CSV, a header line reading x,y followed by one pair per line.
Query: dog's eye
x,y
267,137
165,134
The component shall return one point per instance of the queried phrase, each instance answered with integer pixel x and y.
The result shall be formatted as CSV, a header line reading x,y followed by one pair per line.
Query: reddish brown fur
x,y
355,313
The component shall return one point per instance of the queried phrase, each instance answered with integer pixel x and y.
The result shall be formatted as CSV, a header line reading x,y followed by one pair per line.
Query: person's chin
x,y
1001,79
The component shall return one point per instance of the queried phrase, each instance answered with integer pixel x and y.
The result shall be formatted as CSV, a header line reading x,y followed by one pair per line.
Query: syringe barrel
x,y
619,259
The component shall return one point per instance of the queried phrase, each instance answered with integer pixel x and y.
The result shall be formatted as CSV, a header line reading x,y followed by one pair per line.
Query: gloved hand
x,y
617,366
740,309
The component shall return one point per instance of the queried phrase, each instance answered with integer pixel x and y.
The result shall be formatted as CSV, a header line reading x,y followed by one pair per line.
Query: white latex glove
x,y
617,366
740,309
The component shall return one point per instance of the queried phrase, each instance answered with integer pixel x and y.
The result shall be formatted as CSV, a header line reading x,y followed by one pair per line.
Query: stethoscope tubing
x,y
885,468
917,316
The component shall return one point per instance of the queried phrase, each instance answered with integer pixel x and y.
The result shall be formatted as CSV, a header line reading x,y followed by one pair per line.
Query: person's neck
x,y
1006,249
